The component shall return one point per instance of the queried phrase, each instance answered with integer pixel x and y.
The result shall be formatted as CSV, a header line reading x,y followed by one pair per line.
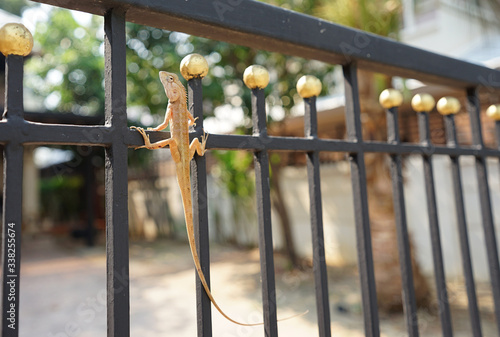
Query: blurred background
x,y
63,192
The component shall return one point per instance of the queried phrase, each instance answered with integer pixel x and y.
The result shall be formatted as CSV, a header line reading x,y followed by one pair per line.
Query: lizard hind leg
x,y
197,147
174,150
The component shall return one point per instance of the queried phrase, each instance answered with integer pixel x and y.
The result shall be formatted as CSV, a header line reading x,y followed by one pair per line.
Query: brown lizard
x,y
180,120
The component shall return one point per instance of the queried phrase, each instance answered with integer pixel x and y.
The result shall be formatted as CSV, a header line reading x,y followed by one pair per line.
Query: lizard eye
x,y
170,78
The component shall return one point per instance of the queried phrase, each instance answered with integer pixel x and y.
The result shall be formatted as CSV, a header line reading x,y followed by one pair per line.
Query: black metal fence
x,y
259,25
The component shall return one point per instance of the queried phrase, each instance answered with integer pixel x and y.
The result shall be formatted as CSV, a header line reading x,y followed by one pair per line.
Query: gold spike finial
x,y
194,65
308,86
493,112
256,76
15,39
423,103
390,98
448,105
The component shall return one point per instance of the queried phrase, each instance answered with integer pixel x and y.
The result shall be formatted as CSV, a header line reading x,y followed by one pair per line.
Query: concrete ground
x,y
63,294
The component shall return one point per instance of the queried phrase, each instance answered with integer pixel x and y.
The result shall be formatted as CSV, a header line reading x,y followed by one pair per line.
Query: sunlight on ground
x,y
63,294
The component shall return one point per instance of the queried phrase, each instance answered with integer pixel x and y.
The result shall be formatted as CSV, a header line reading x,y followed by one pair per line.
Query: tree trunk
x,y
383,228
278,202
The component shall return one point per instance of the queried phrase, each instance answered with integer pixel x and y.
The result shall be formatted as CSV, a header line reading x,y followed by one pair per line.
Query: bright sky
x,y
32,16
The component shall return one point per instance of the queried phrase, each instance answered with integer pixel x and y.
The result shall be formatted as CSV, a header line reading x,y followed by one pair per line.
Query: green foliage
x,y
68,72
15,7
151,50
232,170
382,17
301,6
62,197
70,68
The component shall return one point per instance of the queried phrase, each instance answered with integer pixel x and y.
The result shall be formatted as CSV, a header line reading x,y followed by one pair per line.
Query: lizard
x,y
180,120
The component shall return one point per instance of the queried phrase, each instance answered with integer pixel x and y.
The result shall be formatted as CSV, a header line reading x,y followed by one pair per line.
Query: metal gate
x,y
256,24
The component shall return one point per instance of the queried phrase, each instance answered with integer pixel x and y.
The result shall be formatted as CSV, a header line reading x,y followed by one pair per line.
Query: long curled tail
x,y
188,213
209,293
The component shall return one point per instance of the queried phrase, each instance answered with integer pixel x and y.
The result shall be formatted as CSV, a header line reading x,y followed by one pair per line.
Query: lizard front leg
x,y
174,150
198,147
168,118
192,120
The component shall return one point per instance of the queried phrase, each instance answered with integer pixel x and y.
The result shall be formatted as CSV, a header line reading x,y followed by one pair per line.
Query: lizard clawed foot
x,y
144,135
204,141
193,122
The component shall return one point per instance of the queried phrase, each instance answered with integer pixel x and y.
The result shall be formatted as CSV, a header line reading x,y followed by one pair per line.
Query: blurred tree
x,y
382,17
69,71
232,170
15,7
152,49
224,85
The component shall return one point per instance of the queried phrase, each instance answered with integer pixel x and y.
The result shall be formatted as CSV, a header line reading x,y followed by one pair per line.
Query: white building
x,y
455,28
464,30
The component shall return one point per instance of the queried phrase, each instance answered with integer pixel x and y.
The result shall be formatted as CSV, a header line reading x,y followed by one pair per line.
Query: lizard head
x,y
173,87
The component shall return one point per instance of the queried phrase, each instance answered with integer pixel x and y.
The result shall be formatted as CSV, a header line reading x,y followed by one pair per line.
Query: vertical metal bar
x,y
474,109
409,302
14,73
318,240
437,254
259,113
360,198
451,139
497,133
200,213
264,217
89,177
11,243
116,180
12,200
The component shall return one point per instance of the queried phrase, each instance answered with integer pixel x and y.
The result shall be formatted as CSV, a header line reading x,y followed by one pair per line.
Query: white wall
x,y
31,192
418,221
338,213
233,222
454,28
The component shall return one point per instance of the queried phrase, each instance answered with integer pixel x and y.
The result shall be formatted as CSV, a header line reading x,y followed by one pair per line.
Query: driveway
x,y
63,294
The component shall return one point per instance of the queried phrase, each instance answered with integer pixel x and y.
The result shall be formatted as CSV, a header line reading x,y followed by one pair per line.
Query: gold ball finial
x,y
15,39
194,65
423,103
493,112
255,77
448,105
308,86
390,98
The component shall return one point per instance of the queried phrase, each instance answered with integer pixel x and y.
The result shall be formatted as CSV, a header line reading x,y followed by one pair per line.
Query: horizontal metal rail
x,y
99,135
259,25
